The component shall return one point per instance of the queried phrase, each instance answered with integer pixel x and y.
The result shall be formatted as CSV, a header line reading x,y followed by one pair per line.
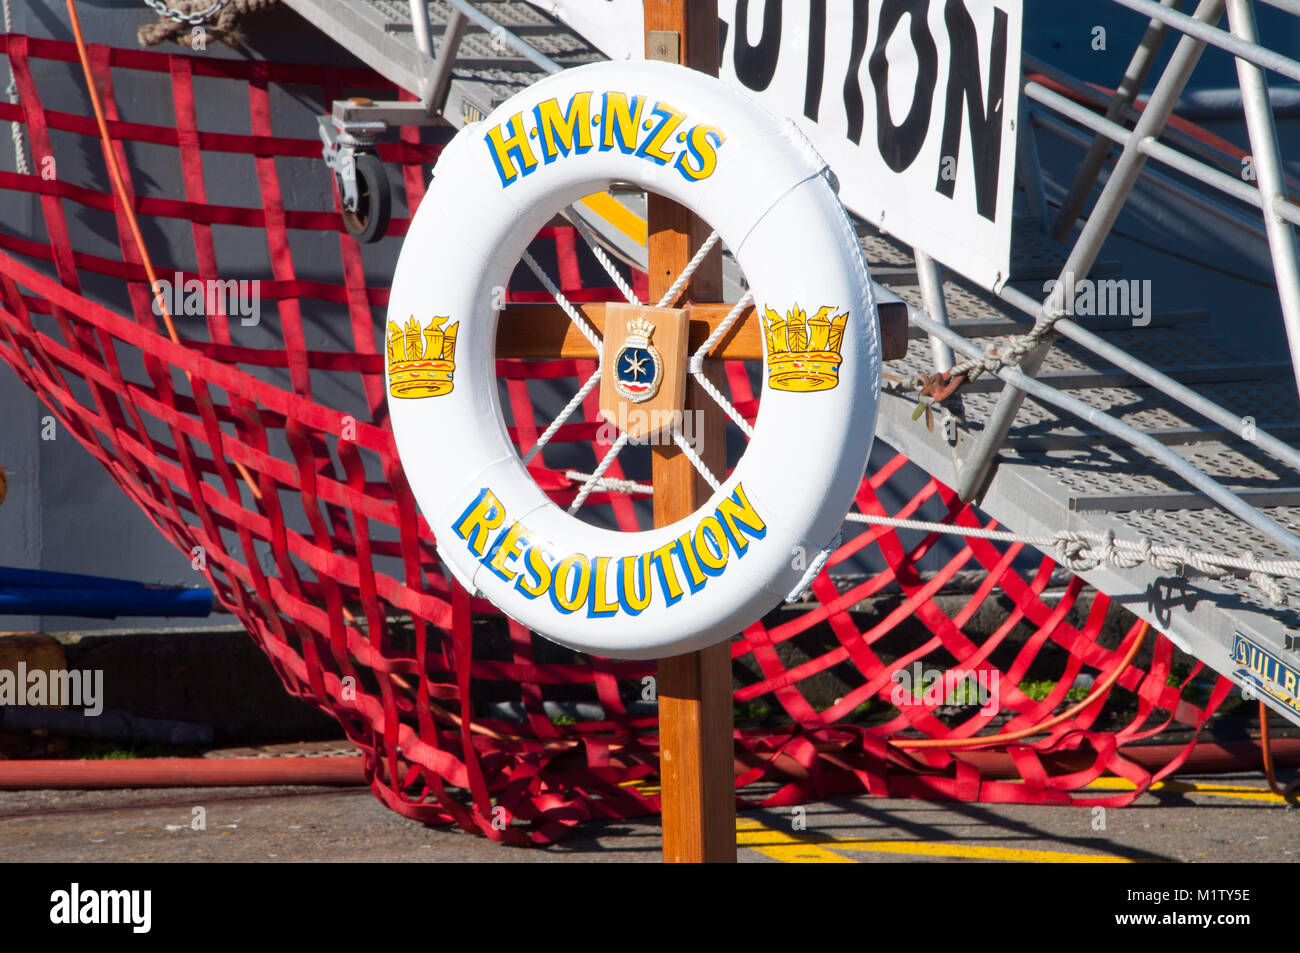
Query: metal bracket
x,y
341,139
663,45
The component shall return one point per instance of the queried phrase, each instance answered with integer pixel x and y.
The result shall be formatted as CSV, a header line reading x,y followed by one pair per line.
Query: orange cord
x,y
119,186
1042,726
1287,792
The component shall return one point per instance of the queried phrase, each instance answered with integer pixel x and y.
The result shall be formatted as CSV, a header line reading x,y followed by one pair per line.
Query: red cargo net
x,y
353,609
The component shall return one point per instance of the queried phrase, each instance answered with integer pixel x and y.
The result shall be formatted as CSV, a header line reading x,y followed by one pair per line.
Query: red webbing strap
x,y
56,225
277,236
320,593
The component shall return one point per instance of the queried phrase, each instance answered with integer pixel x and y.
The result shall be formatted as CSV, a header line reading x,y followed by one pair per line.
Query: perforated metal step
x,y
1058,473
488,68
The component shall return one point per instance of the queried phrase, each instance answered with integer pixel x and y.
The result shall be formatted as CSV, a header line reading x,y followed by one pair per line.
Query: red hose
x,y
178,772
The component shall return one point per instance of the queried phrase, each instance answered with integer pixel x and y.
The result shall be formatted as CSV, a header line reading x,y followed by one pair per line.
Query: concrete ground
x,y
1193,819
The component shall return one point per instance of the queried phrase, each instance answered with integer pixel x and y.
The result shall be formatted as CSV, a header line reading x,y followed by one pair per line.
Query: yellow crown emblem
x,y
421,368
803,354
639,331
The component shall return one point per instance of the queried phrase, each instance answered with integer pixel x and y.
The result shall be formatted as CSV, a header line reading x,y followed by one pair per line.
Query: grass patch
x,y
1039,688
120,751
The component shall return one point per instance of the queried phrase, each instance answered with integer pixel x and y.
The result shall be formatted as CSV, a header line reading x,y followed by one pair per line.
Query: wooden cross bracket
x,y
545,331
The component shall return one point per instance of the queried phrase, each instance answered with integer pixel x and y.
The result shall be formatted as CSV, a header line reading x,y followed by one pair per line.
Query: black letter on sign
x,y
755,65
853,91
985,121
812,94
899,145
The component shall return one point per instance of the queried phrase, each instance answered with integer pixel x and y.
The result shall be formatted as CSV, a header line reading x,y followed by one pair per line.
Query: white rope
x,y
16,128
1081,551
670,296
583,325
696,460
574,314
1010,354
613,484
728,408
1013,352
599,472
696,365
564,415
610,268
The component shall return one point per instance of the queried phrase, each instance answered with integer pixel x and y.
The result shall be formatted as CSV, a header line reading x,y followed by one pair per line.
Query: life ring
x,y
757,181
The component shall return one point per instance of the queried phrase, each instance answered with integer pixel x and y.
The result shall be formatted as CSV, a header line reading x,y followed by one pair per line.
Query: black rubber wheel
x,y
374,200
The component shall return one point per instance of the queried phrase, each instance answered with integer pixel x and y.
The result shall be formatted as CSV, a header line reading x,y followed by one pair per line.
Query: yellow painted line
x,y
945,849
1241,791
617,214
641,787
822,849
785,847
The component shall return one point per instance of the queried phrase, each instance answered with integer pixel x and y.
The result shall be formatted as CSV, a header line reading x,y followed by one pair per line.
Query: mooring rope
x,y
180,23
1083,550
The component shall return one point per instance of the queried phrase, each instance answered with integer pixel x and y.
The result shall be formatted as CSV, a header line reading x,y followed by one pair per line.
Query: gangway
x,y
1160,431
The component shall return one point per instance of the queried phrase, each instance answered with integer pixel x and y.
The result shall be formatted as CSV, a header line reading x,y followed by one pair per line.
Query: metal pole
x,y
420,26
1030,168
436,98
1160,381
1127,167
931,282
498,31
1272,184
1135,76
1154,149
1172,134
1207,33
1139,440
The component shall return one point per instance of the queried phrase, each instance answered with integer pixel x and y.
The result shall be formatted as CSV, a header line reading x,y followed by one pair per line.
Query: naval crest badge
x,y
638,366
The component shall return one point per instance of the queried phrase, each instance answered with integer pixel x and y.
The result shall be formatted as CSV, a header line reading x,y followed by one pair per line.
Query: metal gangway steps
x,y
1164,432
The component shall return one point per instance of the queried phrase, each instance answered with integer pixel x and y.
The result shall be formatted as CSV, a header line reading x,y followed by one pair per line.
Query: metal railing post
x,y
1128,166
436,98
1269,177
420,26
1135,76
929,277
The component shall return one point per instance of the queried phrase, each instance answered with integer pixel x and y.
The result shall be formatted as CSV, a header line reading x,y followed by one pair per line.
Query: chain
x,y
197,18
16,128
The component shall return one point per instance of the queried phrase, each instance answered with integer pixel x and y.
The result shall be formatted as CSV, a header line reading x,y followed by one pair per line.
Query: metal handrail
x,y
1137,145
1243,49
530,52
1128,165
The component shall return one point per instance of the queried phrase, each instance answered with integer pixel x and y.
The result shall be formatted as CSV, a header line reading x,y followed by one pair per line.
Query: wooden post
x,y
696,757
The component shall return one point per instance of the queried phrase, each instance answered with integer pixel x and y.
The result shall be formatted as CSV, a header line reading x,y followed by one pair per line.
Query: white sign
x,y
912,102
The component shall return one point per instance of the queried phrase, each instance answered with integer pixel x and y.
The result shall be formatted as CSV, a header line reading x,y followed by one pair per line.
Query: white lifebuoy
x,y
757,181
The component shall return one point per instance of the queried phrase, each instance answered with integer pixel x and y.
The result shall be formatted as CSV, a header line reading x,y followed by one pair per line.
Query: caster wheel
x,y
374,200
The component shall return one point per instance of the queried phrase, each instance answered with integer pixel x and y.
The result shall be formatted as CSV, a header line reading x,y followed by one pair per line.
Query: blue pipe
x,y
38,592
